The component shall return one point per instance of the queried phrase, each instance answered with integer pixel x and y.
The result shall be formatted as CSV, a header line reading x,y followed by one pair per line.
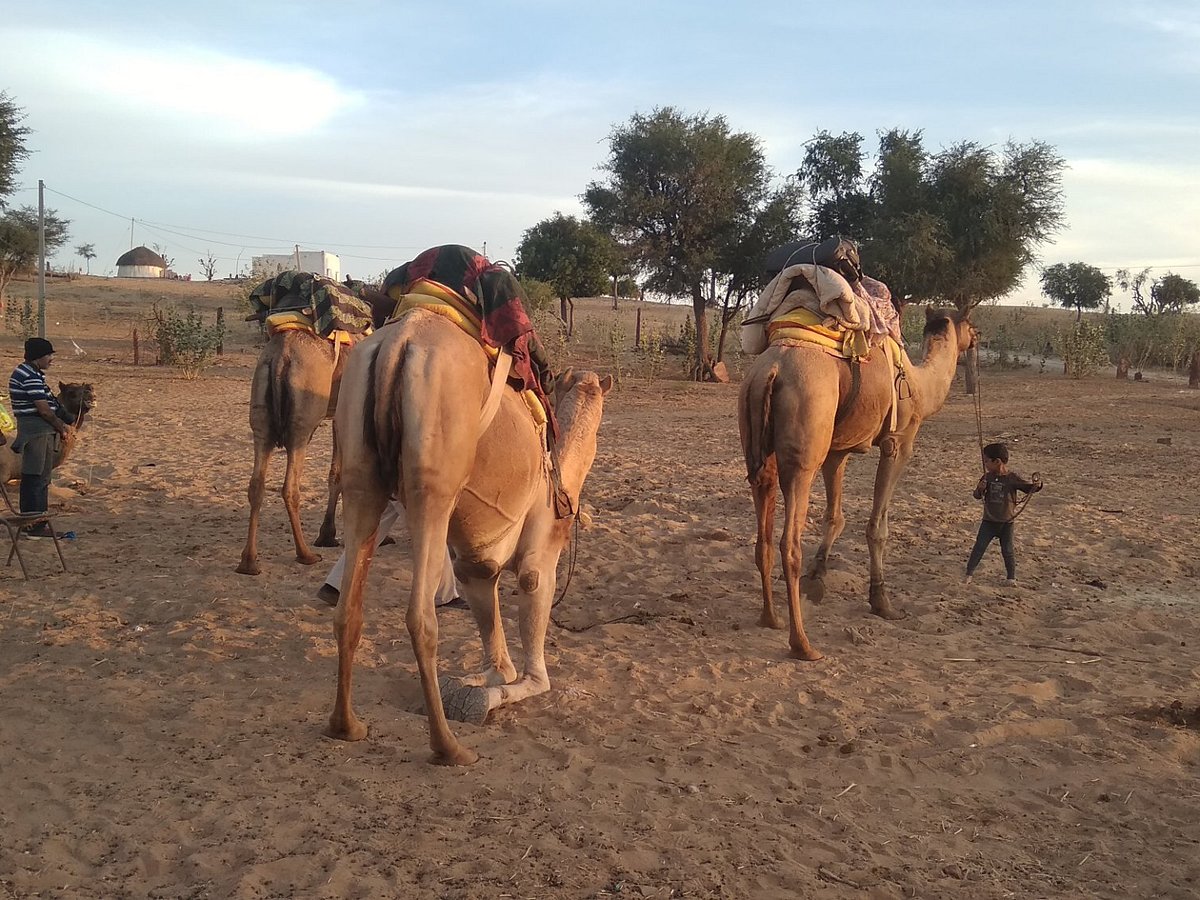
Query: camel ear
x,y
606,384
61,387
930,315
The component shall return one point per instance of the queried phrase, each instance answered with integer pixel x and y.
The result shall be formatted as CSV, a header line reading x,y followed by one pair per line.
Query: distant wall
x,y
316,261
140,272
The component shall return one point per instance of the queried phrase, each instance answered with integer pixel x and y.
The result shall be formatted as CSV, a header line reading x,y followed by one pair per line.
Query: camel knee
x,y
529,579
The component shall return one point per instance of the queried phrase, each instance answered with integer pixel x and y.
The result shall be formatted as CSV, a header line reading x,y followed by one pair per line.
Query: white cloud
x,y
205,91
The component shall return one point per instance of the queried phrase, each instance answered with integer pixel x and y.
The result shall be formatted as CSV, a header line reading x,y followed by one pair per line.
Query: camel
x,y
409,426
79,400
295,387
788,416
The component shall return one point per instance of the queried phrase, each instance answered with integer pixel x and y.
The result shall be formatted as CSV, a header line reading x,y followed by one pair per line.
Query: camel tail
x,y
279,401
758,432
382,424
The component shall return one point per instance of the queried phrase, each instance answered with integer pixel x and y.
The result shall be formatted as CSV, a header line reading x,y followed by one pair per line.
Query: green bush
x,y
185,342
538,295
1084,348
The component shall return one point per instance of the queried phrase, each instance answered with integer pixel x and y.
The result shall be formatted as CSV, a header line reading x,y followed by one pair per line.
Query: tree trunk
x,y
637,330
614,291
700,312
971,370
562,309
1194,371
571,319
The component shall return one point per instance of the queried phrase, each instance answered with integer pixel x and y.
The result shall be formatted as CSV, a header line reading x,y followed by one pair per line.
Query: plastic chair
x,y
15,522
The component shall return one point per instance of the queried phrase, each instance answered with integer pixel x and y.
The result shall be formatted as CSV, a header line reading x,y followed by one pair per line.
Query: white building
x,y
318,262
141,262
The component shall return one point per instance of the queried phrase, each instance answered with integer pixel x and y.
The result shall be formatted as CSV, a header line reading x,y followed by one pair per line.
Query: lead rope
x,y
1024,501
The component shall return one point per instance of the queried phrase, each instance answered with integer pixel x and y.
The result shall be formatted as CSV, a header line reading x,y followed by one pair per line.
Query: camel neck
x,y
935,374
579,419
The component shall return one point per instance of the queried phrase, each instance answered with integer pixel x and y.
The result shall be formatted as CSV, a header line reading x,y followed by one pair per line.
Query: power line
x,y
196,233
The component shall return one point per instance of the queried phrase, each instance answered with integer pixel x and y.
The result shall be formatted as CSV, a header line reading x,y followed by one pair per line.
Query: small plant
x,y
617,339
654,356
1084,349
185,342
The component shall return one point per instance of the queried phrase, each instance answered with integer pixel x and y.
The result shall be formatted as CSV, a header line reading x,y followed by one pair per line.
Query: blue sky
x,y
374,129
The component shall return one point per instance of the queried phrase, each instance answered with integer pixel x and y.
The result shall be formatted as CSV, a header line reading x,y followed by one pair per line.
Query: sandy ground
x,y
162,715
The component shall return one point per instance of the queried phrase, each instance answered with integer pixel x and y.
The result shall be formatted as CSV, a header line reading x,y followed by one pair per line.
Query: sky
x,y
377,129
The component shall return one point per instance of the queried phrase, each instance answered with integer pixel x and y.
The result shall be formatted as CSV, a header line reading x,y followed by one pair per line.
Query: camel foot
x,y
808,654
889,612
813,587
326,540
353,730
770,620
458,756
329,594
248,567
308,559
463,702
387,540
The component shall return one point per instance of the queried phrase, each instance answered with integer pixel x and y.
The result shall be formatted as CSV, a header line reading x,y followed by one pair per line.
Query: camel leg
x,y
362,521
797,486
428,524
258,485
886,477
483,595
834,471
763,488
291,499
327,536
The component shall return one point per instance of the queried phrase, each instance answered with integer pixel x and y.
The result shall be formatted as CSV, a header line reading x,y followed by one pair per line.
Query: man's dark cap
x,y
36,348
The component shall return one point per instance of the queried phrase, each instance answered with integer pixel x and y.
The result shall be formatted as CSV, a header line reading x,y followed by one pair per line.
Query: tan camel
x,y
79,400
295,387
409,426
787,408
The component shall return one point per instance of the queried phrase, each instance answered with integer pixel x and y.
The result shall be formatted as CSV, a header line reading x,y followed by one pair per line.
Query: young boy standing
x,y
998,490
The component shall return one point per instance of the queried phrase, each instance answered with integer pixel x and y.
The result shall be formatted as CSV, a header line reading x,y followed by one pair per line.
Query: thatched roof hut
x,y
141,262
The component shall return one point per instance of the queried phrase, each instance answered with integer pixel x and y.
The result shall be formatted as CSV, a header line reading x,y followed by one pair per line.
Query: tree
x,y
1076,285
208,265
12,145
1169,294
88,252
162,251
573,256
958,226
679,189
19,242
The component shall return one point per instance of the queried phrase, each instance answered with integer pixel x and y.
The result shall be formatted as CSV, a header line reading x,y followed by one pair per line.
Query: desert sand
x,y
162,715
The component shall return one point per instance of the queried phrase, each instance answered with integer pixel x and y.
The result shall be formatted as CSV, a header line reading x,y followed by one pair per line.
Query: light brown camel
x,y
787,408
79,400
409,426
295,387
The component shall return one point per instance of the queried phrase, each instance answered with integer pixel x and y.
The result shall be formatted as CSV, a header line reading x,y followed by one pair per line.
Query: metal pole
x,y
41,258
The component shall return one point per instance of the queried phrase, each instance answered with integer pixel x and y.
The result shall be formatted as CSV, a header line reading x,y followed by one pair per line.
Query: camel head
x,y
951,323
78,399
579,405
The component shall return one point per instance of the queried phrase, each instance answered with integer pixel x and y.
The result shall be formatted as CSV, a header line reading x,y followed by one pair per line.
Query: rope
x,y
1024,501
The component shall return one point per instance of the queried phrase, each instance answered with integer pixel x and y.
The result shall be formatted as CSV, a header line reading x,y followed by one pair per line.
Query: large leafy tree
x,y
19,242
958,226
1076,285
12,145
574,257
679,191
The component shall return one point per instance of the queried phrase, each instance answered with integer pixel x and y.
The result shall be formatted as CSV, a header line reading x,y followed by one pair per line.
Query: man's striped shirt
x,y
28,384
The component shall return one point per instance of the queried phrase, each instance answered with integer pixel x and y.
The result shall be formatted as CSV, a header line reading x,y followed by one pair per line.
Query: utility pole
x,y
297,257
485,248
131,233
41,258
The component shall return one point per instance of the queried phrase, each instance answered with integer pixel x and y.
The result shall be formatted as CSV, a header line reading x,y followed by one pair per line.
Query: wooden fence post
x,y
221,323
